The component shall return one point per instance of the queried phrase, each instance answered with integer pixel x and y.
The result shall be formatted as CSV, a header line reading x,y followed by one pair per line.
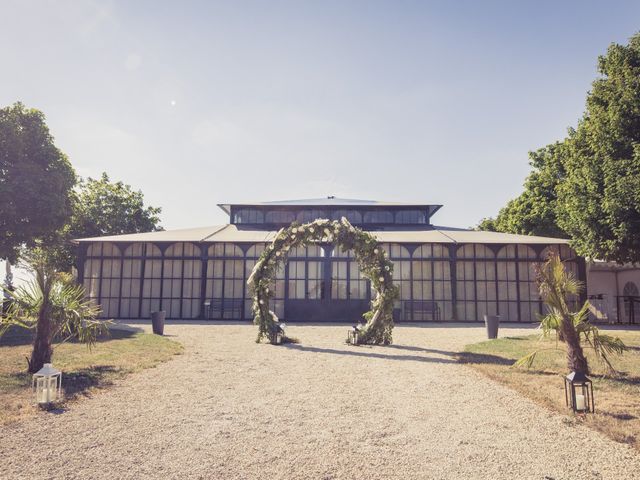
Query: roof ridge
x,y
449,237
213,233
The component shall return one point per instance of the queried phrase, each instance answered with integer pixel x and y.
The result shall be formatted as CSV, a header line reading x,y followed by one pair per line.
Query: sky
x,y
200,103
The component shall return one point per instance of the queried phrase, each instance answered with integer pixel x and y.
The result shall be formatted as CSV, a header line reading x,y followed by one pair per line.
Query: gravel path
x,y
229,408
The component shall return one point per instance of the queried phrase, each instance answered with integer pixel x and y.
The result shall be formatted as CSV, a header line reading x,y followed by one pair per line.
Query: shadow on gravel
x,y
354,353
78,383
412,348
469,357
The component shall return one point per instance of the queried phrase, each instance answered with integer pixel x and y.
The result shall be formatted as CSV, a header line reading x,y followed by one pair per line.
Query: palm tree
x,y
52,305
557,286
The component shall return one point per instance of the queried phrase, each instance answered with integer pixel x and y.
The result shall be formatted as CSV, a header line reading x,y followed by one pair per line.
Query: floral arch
x,y
372,260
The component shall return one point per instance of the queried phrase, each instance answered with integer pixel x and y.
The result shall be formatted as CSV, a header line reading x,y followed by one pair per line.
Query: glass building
x,y
444,274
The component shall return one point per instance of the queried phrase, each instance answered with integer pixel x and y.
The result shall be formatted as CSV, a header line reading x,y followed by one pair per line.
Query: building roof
x,y
236,233
329,201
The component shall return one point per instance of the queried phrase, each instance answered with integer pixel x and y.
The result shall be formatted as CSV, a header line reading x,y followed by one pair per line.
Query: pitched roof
x,y
329,201
233,233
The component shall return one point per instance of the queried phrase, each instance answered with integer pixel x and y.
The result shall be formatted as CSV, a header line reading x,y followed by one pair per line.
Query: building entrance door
x,y
329,289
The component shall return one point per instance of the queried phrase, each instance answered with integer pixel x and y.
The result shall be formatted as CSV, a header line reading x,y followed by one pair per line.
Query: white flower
x,y
294,230
327,232
381,279
255,298
311,229
261,302
387,268
375,250
287,247
277,254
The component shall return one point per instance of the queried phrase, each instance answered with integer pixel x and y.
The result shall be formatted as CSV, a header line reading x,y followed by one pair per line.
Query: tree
x,y
587,187
36,180
101,208
534,211
106,208
558,287
54,307
599,199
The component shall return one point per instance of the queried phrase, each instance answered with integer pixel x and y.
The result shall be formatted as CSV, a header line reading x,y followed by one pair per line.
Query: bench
x,y
230,308
420,309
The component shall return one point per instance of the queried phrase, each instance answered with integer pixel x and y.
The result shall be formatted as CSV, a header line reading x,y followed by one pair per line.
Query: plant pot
x,y
492,322
157,322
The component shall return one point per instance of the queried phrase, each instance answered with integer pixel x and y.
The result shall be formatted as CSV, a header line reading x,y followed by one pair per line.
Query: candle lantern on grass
x,y
578,392
47,384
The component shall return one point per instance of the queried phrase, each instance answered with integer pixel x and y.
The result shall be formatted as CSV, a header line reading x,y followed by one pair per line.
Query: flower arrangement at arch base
x,y
372,259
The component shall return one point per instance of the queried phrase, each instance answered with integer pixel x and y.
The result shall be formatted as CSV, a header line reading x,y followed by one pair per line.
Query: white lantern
x,y
47,383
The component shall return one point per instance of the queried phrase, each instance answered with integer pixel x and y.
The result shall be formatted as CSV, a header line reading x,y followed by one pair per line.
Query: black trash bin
x,y
492,322
157,322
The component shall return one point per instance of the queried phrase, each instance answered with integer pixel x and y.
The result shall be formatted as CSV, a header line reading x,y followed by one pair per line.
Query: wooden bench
x,y
230,308
419,309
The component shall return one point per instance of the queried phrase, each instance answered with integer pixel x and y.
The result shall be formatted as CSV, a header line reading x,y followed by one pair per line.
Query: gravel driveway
x,y
229,409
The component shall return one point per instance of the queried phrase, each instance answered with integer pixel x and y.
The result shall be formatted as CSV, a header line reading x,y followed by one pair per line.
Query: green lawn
x,y
617,399
84,370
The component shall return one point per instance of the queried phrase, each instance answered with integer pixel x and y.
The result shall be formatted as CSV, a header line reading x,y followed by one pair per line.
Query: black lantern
x,y
578,392
277,334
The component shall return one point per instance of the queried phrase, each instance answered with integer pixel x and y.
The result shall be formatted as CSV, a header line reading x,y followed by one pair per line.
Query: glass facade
x,y
370,216
437,281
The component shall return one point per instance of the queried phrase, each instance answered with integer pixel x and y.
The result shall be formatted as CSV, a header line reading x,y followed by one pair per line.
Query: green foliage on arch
x,y
372,260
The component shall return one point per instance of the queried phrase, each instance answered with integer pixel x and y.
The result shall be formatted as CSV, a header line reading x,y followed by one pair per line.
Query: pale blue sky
x,y
198,103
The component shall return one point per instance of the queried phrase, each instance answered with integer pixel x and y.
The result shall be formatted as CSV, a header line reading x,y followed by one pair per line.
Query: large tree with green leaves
x,y
534,211
111,208
587,187
102,207
599,199
36,180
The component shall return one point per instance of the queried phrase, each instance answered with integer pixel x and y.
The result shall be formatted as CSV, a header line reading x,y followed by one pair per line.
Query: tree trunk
x,y
576,361
8,285
42,351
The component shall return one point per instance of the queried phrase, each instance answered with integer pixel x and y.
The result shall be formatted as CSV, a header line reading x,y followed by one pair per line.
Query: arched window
x,y
225,250
525,251
256,250
475,282
181,280
215,287
565,251
131,281
102,270
396,250
226,276
508,251
431,283
152,283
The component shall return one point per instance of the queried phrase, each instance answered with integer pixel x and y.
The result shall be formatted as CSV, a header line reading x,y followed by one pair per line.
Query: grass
x,y
617,399
84,370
